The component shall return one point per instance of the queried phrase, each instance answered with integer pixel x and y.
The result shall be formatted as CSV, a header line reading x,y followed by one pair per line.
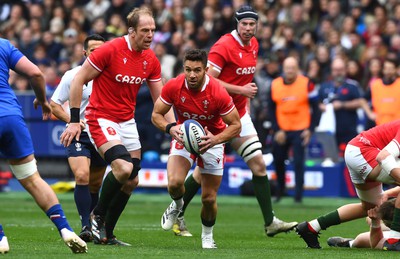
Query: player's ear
x,y
85,53
131,30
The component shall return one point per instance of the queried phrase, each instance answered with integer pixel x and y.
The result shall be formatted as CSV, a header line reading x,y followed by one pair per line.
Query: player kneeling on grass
x,y
371,160
195,95
380,221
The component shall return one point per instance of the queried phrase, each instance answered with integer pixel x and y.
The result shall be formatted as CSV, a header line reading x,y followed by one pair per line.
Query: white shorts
x,y
211,162
102,131
248,128
358,166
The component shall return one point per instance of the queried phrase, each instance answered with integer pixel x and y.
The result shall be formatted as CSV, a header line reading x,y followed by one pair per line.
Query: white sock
x,y
206,231
351,243
394,234
315,225
179,203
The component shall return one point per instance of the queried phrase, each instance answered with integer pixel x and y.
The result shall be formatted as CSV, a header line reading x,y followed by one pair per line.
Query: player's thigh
x,y
177,169
15,140
129,135
370,194
360,162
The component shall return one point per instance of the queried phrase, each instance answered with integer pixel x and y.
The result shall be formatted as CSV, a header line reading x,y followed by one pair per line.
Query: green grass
x,y
238,232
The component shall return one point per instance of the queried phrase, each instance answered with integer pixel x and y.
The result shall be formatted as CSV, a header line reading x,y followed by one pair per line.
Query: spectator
x,y
16,22
335,14
293,109
354,70
53,48
297,20
52,79
324,61
167,61
27,44
96,8
308,46
384,95
99,26
343,95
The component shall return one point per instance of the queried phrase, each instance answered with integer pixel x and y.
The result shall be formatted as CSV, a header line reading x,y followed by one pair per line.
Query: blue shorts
x,y
15,140
84,147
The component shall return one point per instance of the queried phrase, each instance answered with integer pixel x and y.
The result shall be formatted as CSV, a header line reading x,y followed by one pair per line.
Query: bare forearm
x,y
159,121
352,105
230,132
232,89
75,97
375,233
38,84
59,112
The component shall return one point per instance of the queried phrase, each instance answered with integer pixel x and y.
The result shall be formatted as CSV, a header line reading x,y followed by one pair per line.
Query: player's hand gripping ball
x,y
192,133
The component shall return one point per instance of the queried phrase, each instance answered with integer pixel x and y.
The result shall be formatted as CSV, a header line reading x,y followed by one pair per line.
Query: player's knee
x,y
250,149
24,171
120,159
130,185
81,176
208,200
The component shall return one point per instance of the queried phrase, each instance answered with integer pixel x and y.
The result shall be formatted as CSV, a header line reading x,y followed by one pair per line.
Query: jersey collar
x,y
204,86
236,36
127,42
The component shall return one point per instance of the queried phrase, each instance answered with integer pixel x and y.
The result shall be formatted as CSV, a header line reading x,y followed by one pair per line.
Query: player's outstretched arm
x,y
59,112
160,121
376,235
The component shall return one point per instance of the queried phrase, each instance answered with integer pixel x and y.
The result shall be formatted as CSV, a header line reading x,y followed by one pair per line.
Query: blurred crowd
x,y
364,33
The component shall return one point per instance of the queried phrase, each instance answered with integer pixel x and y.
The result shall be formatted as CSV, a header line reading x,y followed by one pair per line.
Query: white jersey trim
x,y
231,109
93,65
215,66
127,42
154,80
237,38
164,101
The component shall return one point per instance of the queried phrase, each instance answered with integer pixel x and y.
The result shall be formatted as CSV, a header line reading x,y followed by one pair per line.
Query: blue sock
x,y
95,199
1,232
83,202
56,215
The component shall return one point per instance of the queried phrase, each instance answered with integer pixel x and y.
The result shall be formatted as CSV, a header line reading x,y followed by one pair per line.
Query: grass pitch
x,y
238,232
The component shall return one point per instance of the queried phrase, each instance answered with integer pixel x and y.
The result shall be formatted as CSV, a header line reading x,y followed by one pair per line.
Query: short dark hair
x,y
393,61
95,37
196,55
386,212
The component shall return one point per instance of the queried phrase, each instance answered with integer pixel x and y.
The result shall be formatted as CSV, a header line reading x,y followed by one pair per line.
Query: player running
x,y
85,162
233,60
16,143
372,159
118,69
195,95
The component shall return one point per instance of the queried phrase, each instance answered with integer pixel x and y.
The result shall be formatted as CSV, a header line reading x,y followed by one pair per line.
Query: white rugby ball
x,y
192,133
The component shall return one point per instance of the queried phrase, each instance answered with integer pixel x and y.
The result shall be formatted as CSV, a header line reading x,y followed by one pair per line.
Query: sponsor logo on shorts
x,y
363,169
78,147
111,131
179,146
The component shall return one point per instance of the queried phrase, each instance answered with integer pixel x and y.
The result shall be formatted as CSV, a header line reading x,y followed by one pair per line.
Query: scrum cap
x,y
246,12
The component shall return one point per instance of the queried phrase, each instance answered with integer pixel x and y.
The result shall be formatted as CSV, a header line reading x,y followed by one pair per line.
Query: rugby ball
x,y
192,133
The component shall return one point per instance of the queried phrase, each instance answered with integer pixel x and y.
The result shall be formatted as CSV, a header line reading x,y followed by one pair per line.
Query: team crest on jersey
x,y
125,60
111,131
78,147
206,103
183,99
240,54
144,65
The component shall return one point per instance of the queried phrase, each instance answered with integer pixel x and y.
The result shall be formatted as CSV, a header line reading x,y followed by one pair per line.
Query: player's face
x,y
247,29
92,45
144,32
195,74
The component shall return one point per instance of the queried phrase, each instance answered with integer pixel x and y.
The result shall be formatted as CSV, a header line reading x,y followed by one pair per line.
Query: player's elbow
x,y
237,128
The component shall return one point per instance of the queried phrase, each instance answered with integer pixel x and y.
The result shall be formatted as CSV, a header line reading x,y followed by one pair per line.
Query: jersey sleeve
x,y
156,72
61,94
217,55
167,91
14,57
101,57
